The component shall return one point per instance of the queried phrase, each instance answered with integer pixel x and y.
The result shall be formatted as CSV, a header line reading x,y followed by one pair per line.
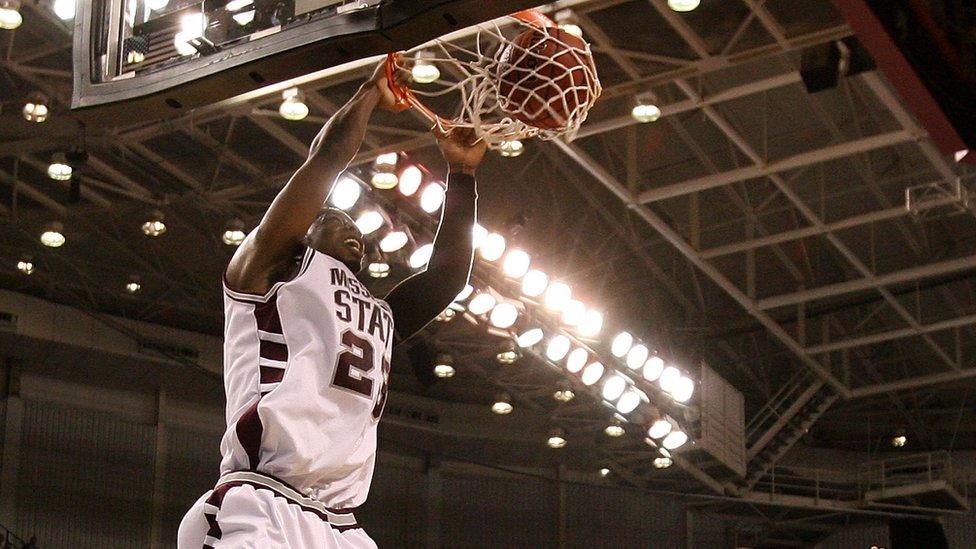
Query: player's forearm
x,y
340,138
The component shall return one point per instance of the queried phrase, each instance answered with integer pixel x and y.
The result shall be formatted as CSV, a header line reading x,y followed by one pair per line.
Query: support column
x,y
159,477
10,459
561,507
689,529
435,491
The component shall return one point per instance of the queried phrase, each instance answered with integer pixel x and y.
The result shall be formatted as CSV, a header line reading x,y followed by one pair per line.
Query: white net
x,y
515,81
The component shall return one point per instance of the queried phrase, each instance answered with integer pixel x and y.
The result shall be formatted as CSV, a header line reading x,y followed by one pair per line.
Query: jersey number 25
x,y
353,368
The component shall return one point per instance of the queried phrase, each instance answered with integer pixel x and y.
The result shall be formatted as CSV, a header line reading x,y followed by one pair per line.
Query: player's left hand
x,y
462,149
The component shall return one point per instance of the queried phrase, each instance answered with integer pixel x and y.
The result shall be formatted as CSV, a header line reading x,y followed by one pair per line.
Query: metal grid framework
x,y
755,226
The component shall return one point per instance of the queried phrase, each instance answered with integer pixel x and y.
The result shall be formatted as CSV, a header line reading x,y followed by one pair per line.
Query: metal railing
x,y
777,404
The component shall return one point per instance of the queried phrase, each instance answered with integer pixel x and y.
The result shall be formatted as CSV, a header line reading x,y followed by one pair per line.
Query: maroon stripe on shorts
x,y
270,374
249,430
274,350
267,317
223,488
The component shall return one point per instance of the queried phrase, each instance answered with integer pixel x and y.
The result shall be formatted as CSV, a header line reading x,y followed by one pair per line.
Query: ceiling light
x,y
557,438
516,264
502,405
564,393
653,368
530,337
577,359
591,324
345,193
511,148
613,387
534,283
478,235
432,197
503,315
420,256
636,356
53,235
369,221
557,348
59,169
493,246
508,353
192,27
592,373
26,265
659,429
669,377
567,22
234,233
899,440
614,429
424,71
379,269
133,285
156,5
605,471
662,462
243,18
481,303
154,225
645,110
557,295
675,439
683,5
444,367
393,241
621,344
629,401
387,160
683,389
446,315
36,110
410,180
464,293
10,17
573,312
293,105
384,180
64,9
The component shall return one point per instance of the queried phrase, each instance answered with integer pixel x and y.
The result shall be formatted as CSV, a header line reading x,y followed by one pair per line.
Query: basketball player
x,y
307,349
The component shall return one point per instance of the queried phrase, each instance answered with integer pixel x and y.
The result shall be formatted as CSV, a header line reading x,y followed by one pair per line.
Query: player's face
x,y
336,235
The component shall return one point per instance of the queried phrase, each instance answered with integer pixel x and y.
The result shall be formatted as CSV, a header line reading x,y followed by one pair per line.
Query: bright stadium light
x,y
502,405
604,471
592,373
503,315
534,283
683,5
233,234
653,368
410,180
614,429
478,235
557,348
573,312
384,180
662,462
464,293
133,286
154,225
637,356
516,264
381,269
557,295
36,109
387,160
493,246
345,193
293,105
511,148
64,9
669,377
621,344
10,17
393,241
59,169
481,303
591,324
683,389
645,110
26,265
628,401
444,367
577,359
420,256
613,387
659,429
369,221
424,71
557,438
508,353
53,235
530,337
191,27
563,393
432,197
675,439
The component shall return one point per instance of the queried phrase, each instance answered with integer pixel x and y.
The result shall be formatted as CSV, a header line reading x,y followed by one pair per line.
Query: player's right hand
x,y
388,101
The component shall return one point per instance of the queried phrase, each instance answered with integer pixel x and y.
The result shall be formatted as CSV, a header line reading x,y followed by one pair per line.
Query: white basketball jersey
x,y
305,371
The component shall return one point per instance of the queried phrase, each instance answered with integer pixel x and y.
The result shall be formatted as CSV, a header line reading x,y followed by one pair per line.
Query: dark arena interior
x,y
735,310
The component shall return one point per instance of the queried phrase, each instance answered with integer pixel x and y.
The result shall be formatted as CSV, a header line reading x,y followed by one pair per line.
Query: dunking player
x,y
307,349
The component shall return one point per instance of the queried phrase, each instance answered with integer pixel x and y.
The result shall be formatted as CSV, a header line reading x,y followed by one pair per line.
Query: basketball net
x,y
547,89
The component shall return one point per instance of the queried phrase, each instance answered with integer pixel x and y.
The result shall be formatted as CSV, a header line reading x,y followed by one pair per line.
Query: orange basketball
x,y
542,77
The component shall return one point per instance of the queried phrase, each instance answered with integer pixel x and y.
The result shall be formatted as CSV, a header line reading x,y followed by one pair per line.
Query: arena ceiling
x,y
755,226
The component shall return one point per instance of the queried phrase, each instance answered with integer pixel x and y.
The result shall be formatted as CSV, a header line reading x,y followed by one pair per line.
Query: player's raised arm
x,y
420,298
266,252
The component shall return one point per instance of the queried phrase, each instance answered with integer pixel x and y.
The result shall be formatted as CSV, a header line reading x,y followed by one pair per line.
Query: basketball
x,y
543,77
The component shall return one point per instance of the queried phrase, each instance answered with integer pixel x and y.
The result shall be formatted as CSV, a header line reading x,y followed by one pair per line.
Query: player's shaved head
x,y
335,234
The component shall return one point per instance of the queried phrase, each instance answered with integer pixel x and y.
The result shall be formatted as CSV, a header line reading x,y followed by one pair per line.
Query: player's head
x,y
335,234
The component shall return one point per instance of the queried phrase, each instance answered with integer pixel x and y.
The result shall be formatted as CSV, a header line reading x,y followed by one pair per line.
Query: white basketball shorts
x,y
252,510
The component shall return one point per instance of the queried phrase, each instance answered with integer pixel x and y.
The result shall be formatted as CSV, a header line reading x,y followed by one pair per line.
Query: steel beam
x,y
913,383
892,335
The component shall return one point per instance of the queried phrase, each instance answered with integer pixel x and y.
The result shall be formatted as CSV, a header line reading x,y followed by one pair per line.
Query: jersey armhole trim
x,y
249,297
